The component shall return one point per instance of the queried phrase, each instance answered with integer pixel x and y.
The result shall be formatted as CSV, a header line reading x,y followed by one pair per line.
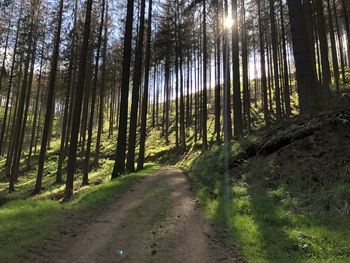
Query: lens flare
x,y
228,22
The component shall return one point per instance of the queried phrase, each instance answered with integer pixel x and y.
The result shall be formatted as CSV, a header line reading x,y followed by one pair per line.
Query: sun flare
x,y
228,22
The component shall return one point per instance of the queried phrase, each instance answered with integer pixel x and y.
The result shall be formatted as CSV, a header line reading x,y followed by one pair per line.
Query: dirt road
x,y
157,220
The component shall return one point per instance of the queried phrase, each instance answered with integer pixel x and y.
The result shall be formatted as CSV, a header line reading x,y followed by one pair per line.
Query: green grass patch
x,y
26,223
270,220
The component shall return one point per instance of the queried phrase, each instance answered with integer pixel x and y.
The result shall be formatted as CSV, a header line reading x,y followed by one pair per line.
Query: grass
x,y
273,218
269,231
23,217
26,223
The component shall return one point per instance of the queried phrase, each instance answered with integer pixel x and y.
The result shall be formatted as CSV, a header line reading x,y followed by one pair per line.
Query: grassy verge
x,y
271,220
26,223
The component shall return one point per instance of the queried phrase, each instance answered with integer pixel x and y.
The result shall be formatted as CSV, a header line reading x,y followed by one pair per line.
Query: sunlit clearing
x,y
228,22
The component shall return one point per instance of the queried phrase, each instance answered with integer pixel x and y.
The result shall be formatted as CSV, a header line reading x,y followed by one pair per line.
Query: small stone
x,y
153,252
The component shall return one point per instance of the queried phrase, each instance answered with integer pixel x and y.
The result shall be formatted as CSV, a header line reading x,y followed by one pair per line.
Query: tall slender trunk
x,y
347,27
286,90
246,91
14,146
8,94
86,96
227,84
37,97
141,158
67,102
263,68
218,74
340,42
321,28
237,101
119,165
26,109
333,48
130,162
275,60
50,100
93,100
182,104
77,104
204,90
102,91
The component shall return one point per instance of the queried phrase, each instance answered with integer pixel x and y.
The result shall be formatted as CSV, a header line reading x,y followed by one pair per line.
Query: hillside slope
x,y
289,188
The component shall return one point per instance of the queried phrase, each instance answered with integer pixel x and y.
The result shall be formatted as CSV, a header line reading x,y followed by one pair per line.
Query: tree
x,y
305,73
140,161
263,67
326,75
205,67
130,163
237,100
77,102
275,60
93,98
119,165
102,93
49,106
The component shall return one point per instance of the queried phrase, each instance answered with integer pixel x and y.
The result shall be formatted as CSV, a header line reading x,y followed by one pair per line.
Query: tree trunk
x,y
102,91
347,27
237,102
333,48
218,74
286,93
306,75
130,163
50,100
321,28
275,60
119,165
246,91
227,84
342,63
141,158
77,105
93,100
4,121
263,68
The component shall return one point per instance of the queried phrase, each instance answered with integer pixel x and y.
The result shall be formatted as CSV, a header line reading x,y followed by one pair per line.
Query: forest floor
x,y
158,218
288,189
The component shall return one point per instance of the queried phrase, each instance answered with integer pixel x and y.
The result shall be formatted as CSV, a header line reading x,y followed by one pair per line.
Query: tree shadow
x,y
271,221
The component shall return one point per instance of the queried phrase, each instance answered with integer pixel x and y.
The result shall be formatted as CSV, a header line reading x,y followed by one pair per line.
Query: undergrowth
x,y
275,213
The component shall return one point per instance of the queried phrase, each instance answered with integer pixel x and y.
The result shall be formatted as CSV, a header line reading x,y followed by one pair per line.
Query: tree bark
x,y
93,100
119,165
140,161
77,105
130,162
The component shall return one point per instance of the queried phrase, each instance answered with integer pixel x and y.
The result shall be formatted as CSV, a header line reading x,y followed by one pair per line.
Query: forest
x,y
175,131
